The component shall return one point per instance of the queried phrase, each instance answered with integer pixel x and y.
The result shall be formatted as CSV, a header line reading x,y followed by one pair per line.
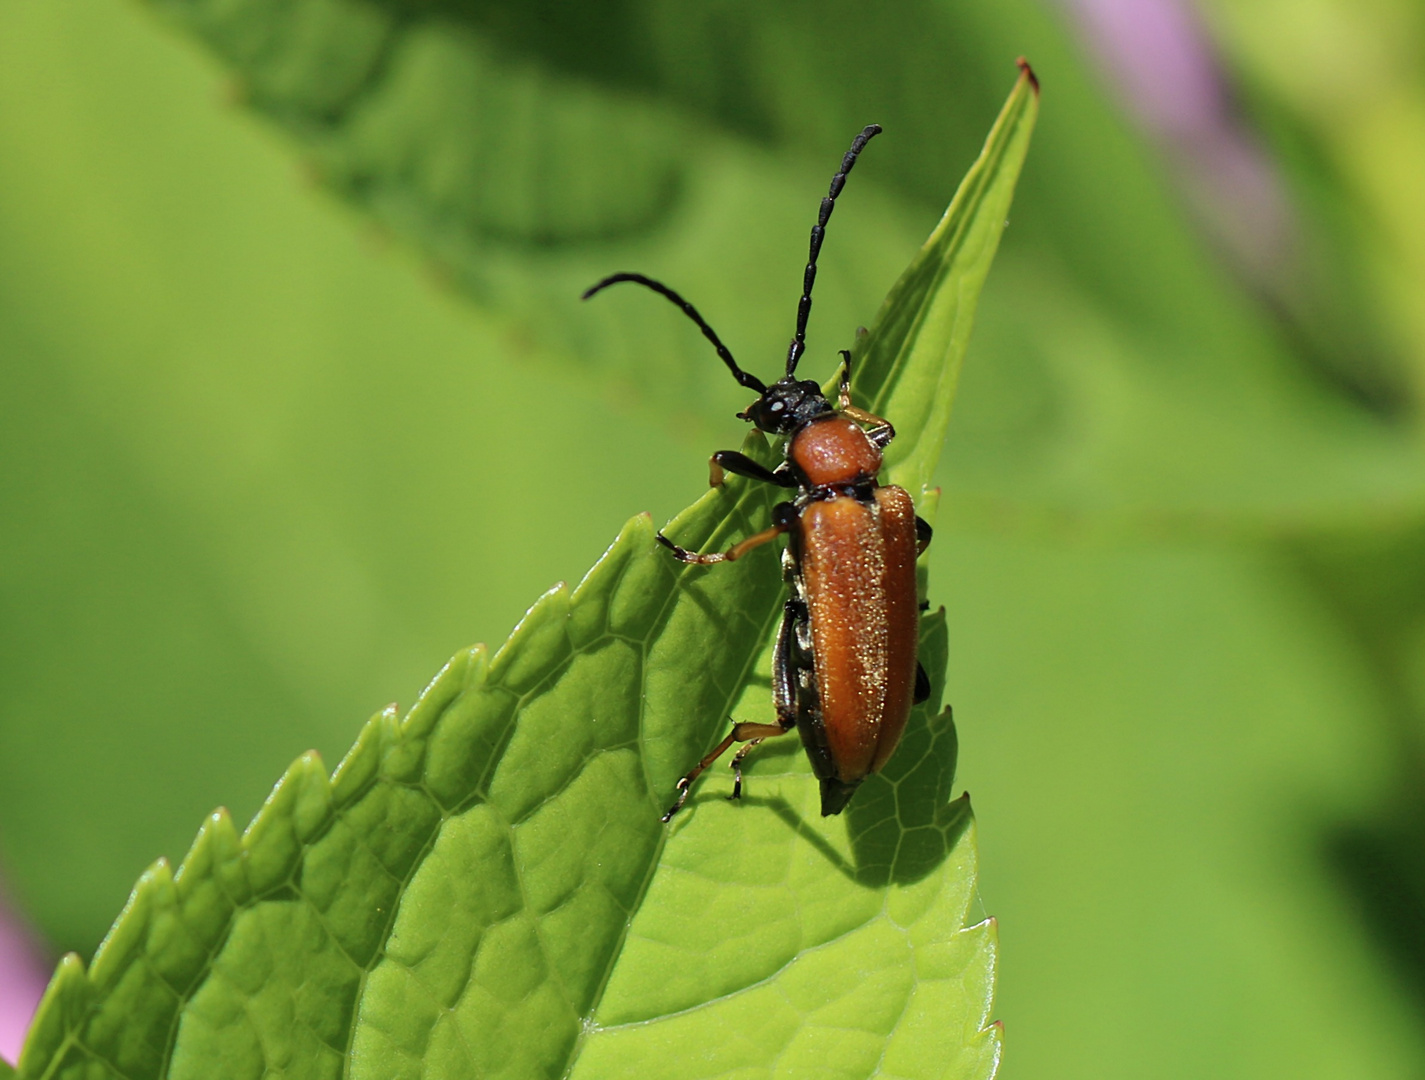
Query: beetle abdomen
x,y
858,579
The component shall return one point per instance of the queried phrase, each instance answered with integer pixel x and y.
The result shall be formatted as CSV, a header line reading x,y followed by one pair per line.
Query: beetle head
x,y
787,406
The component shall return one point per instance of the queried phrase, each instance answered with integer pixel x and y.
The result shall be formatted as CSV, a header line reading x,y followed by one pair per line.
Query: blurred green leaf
x,y
493,862
525,149
1340,91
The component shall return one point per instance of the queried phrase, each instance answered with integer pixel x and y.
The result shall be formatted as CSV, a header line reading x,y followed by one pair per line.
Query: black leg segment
x,y
785,664
923,533
742,465
922,684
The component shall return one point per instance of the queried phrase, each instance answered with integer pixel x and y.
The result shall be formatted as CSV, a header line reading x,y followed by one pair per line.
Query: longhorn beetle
x,y
844,670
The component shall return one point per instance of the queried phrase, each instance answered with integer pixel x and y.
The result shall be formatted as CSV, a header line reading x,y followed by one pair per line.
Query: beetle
x,y
845,671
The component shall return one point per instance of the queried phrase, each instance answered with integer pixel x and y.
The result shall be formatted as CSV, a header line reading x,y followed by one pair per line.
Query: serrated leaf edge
x,y
306,800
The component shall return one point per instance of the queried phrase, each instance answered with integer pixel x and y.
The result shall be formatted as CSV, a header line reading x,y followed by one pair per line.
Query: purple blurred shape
x,y
1159,55
23,977
1156,51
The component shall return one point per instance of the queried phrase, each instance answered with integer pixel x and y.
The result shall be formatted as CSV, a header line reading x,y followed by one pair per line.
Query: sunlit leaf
x,y
483,886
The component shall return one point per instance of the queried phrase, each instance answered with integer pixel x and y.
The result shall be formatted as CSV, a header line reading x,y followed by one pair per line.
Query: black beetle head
x,y
787,406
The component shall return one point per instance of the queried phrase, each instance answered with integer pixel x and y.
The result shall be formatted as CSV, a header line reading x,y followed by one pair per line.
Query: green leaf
x,y
640,138
483,886
925,318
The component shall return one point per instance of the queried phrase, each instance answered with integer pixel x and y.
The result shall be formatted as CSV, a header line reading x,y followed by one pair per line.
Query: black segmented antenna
x,y
752,382
817,232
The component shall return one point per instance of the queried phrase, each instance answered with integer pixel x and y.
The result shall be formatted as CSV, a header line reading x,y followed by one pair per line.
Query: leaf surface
x,y
483,886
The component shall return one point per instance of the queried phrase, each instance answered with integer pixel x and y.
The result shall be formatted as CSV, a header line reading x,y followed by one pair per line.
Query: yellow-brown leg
x,y
879,428
739,733
732,554
736,766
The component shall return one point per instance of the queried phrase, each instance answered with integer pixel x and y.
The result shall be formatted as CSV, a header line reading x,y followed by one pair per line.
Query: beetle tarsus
x,y
733,553
684,785
682,554
736,766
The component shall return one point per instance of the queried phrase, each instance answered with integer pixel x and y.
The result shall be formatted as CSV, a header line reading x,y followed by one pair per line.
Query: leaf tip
x,y
1028,72
310,761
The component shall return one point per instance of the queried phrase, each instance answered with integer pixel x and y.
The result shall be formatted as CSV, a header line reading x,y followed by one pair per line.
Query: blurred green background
x,y
297,398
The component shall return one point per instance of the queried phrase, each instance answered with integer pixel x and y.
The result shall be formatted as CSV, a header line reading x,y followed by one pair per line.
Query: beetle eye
x,y
777,406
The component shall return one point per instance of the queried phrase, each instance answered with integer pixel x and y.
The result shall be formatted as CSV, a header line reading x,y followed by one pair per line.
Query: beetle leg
x,y
737,768
733,462
923,533
879,429
732,554
739,733
843,396
881,432
784,684
784,664
784,697
783,517
922,684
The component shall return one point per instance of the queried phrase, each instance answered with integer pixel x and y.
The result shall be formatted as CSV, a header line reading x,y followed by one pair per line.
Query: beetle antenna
x,y
752,382
817,232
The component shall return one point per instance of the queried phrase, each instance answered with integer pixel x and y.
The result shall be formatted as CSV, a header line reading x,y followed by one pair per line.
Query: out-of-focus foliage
x,y
1178,552
1338,90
